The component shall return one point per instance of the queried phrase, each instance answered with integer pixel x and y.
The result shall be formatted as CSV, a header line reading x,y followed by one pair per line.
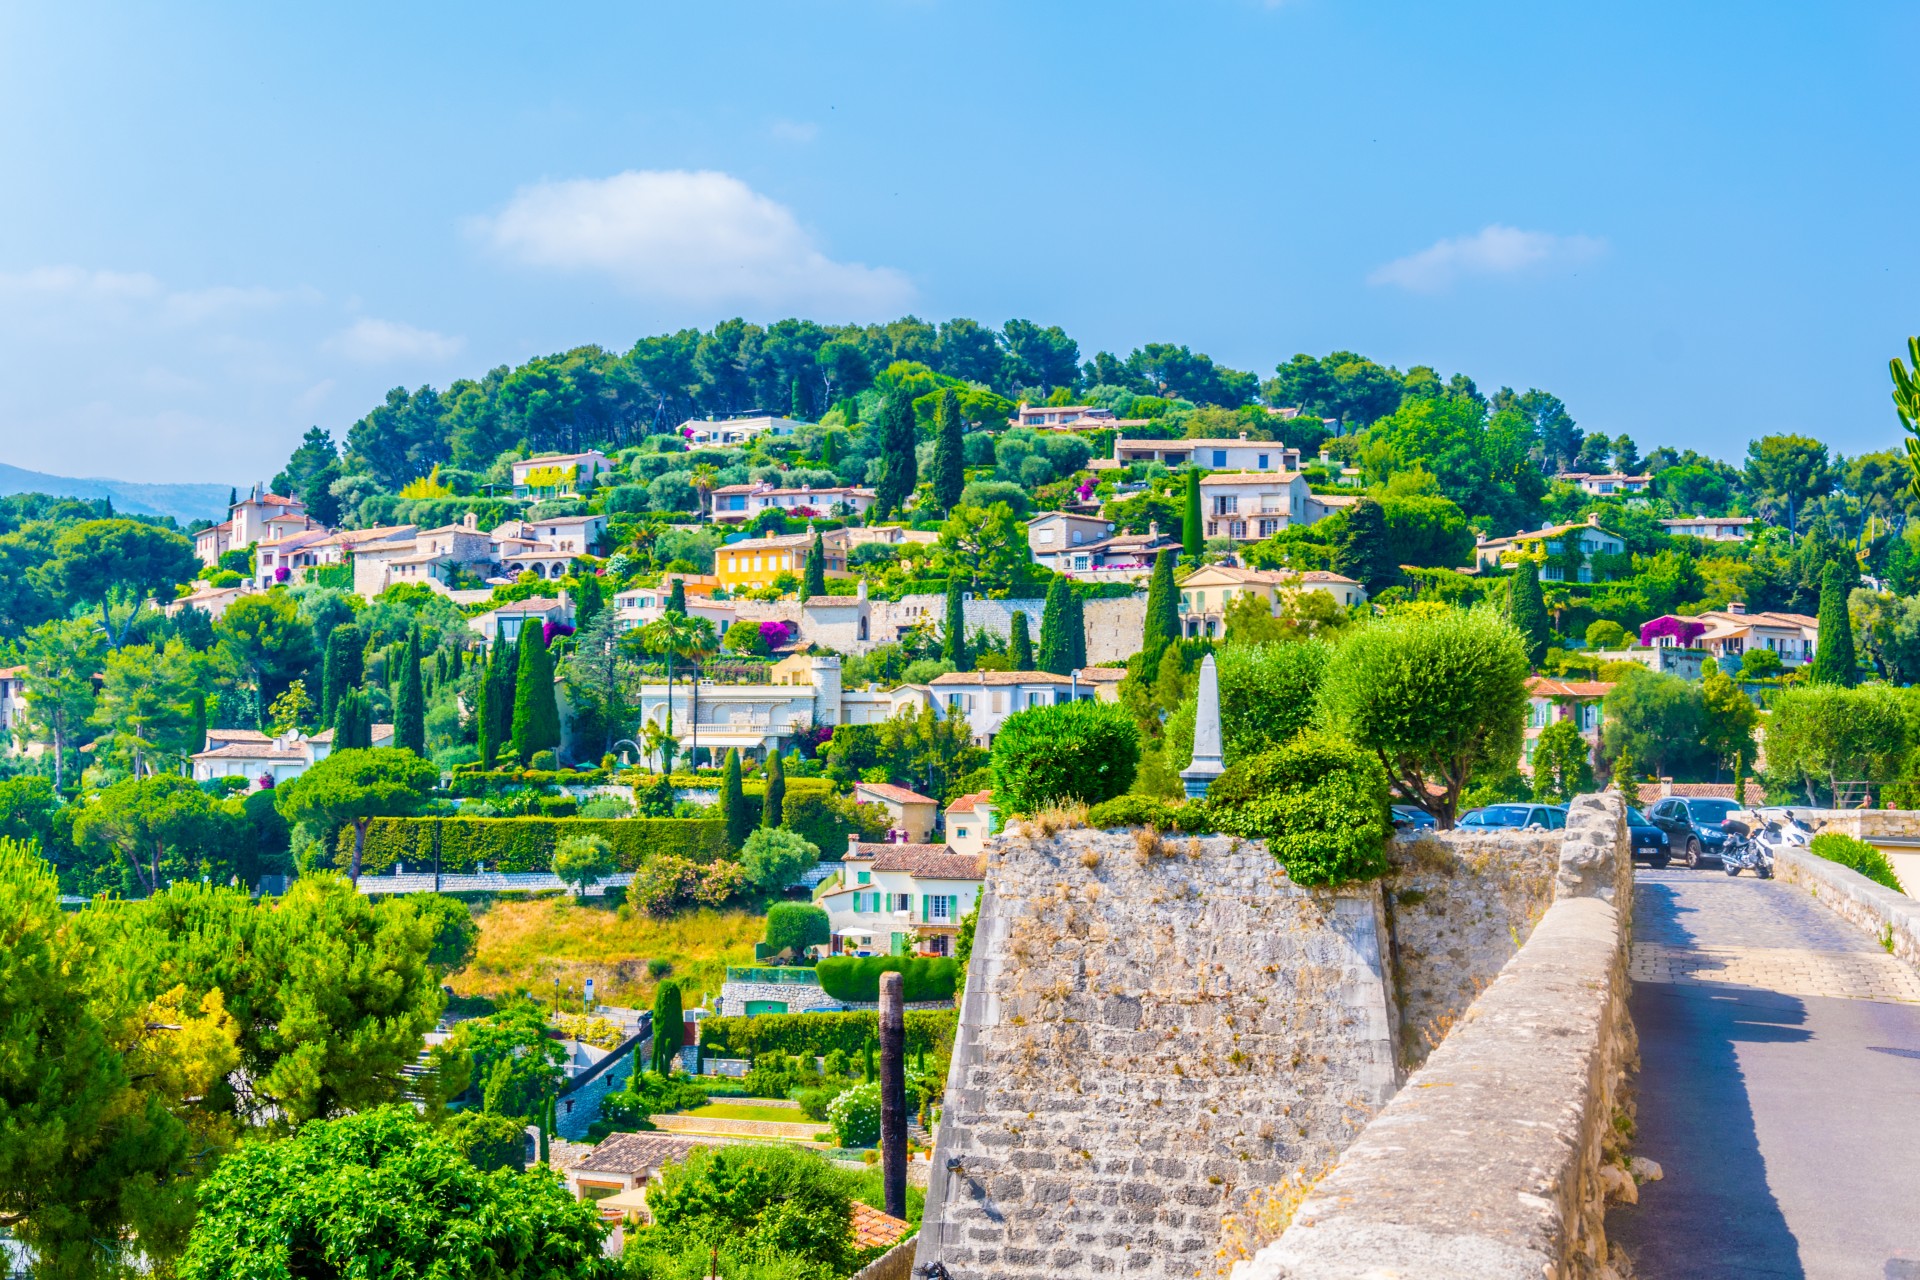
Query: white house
x,y
250,754
13,706
987,698
1052,532
552,473
739,503
1212,455
1206,593
1548,545
1729,633
969,821
1711,528
1250,505
1123,557
507,620
710,433
750,718
1605,484
900,899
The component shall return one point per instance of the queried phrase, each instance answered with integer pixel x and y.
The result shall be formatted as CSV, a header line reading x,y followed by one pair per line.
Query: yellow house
x,y
1207,591
756,562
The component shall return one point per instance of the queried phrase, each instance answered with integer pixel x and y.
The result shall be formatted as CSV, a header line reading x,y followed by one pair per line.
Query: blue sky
x,y
220,224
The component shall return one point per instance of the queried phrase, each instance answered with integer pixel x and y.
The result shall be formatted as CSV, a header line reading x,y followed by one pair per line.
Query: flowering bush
x,y
663,883
855,1116
552,629
282,573
775,633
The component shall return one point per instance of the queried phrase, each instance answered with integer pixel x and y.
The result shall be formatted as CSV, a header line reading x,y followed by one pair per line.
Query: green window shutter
x,y
926,909
953,908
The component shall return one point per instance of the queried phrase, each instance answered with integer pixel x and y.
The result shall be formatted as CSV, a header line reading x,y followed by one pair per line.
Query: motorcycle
x,y
1746,850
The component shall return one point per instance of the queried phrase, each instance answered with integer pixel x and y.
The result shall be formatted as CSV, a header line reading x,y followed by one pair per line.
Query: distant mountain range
x,y
184,502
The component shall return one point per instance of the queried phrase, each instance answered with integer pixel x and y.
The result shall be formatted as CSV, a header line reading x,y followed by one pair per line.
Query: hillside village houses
x,y
900,899
261,516
1607,484
1121,557
1727,634
552,473
1551,701
1248,506
1206,593
1711,528
1213,455
727,433
1550,546
756,562
740,503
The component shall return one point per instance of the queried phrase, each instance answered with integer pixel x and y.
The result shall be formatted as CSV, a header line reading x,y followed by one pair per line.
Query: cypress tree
x,y
829,454
797,402
1833,660
949,452
733,802
1363,554
1527,609
1192,536
536,717
410,708
352,722
1077,627
773,810
341,670
669,1027
587,600
816,584
491,729
1163,611
898,439
953,647
1019,645
199,738
1056,651
677,598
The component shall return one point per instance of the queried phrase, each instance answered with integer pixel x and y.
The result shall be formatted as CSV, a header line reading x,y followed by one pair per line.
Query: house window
x,y
1226,504
1263,462
902,902
863,877
999,702
1046,537
1078,537
1269,527
1219,457
1213,527
940,906
1238,529
960,833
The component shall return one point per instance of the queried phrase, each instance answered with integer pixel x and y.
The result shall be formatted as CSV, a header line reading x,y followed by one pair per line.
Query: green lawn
x,y
741,1111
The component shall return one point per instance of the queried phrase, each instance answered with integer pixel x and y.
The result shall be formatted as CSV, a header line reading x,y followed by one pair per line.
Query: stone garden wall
x,y
1150,1027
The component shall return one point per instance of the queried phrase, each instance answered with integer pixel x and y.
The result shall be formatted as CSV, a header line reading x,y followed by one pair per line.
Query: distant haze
x,y
184,502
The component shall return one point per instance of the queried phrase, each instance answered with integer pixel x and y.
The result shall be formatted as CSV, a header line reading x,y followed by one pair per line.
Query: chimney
x,y
1153,529
1243,435
1737,606
853,845
860,591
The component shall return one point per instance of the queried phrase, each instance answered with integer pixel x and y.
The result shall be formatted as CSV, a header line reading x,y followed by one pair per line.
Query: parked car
x,y
1411,817
1693,826
1515,817
1648,841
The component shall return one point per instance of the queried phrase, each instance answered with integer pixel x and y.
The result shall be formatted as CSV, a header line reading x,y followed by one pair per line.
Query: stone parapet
x,y
1892,918
1493,1161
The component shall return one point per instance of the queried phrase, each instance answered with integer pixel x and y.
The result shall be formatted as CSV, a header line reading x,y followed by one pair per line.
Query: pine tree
x,y
1056,648
1527,610
677,598
1192,536
1019,644
733,802
949,453
536,716
1363,554
953,646
1163,611
898,439
816,584
669,1027
773,809
410,708
1833,661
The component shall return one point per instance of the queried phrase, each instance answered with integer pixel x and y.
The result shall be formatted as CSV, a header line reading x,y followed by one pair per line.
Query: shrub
x,y
488,1141
1857,855
774,858
798,925
856,979
545,760
527,844
665,883
1078,751
580,860
820,1034
855,1116
1132,811
1320,803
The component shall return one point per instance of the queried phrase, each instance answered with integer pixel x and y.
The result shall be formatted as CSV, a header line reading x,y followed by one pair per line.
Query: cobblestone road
x,y
1779,1087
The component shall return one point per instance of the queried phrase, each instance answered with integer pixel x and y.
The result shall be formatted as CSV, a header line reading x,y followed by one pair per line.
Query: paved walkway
x,y
1779,1088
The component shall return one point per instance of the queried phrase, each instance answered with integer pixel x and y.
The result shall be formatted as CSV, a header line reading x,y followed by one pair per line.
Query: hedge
x,y
856,979
821,1033
1083,750
1857,854
526,844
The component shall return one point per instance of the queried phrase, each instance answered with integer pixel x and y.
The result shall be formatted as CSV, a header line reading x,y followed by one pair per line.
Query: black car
x,y
1648,841
1515,817
1693,826
1411,817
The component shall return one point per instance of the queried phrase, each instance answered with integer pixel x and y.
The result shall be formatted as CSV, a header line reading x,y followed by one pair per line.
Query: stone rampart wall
x,y
1493,1162
1893,919
1150,1027
1459,904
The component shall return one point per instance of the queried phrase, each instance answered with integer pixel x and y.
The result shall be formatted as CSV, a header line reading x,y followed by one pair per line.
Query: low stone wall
x,y
1892,918
895,1264
1894,832
1459,904
1493,1162
1150,1027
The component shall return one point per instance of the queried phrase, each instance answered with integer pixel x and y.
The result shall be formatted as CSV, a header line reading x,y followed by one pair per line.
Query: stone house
x,y
900,899
626,1162
1050,534
913,815
261,516
1124,557
1206,593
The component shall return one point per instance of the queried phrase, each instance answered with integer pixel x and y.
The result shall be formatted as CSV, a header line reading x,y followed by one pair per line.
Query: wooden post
x,y
893,1093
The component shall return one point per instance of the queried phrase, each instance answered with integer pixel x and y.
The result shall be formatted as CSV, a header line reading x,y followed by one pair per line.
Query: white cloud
x,y
703,238
1495,251
795,130
371,341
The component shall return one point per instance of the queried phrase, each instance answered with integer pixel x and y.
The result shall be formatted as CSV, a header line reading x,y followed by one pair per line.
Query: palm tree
x,y
679,635
703,477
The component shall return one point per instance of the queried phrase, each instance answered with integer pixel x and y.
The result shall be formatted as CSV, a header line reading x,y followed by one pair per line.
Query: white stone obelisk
x,y
1207,764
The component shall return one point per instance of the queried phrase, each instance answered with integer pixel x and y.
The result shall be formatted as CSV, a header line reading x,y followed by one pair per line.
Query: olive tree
x,y
1433,697
1822,737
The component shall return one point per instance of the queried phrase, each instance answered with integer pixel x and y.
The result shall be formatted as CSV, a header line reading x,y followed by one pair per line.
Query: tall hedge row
x,y
820,1033
856,979
526,844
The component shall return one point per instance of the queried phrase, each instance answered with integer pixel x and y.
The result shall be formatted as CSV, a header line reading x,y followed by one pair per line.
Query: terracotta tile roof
x,y
782,541
873,1229
637,1153
928,861
899,795
984,678
249,751
1247,477
966,803
1541,687
12,673
533,604
238,735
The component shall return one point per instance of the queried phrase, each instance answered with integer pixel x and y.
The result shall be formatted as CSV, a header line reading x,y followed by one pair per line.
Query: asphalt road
x,y
1779,1088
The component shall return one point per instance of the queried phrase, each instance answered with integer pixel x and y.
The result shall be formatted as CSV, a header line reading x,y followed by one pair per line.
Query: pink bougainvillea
x,y
775,633
549,629
282,573
266,781
1684,631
